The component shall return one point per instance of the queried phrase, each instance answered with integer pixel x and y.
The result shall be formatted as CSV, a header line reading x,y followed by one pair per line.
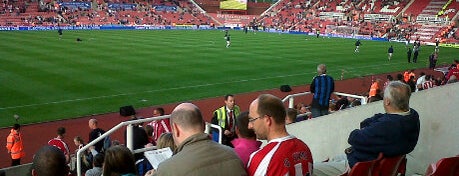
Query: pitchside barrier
x,y
291,98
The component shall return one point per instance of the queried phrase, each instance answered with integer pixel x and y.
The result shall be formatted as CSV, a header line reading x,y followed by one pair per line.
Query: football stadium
x,y
65,63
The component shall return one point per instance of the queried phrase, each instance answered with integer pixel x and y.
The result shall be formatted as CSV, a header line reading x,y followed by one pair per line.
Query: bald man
x,y
196,153
95,133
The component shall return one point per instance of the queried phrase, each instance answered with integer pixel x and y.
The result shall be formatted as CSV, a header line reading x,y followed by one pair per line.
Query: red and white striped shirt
x,y
281,157
428,84
160,127
61,145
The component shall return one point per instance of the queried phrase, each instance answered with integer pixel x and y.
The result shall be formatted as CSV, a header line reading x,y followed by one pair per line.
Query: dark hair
x,y
399,77
60,131
228,95
98,160
149,130
242,123
291,114
16,126
272,106
118,160
49,160
389,77
160,110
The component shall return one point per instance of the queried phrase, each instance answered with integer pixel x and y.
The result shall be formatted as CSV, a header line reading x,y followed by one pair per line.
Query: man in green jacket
x,y
196,153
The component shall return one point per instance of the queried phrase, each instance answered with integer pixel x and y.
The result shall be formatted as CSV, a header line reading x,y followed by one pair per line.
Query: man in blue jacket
x,y
393,133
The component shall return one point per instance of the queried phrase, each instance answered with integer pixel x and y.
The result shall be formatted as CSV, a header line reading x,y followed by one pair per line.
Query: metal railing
x,y
291,98
129,140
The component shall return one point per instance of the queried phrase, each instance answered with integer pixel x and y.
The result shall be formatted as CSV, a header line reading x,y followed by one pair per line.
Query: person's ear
x,y
176,130
34,173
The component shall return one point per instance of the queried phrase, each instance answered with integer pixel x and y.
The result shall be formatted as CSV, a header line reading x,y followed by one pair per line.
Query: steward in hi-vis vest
x,y
225,117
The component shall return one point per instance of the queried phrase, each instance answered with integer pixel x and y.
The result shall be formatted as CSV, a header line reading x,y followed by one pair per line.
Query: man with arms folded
x,y
393,133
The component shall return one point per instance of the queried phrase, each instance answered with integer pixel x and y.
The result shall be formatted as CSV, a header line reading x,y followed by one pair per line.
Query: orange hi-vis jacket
x,y
373,89
14,144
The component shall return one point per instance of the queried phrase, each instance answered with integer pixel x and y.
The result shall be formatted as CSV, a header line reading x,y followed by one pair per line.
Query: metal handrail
x,y
291,98
129,141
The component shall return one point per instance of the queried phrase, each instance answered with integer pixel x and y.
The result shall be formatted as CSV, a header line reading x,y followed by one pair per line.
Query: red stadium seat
x,y
444,167
363,168
390,166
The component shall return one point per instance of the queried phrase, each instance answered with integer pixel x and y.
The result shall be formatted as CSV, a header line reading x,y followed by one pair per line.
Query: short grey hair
x,y
321,68
398,94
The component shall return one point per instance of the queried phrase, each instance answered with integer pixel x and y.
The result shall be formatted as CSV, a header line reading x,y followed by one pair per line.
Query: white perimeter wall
x,y
438,110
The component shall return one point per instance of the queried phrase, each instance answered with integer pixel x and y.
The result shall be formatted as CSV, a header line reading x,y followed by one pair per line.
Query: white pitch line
x,y
174,88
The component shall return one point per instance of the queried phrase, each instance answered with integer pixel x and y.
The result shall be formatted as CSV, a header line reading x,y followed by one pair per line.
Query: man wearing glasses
x,y
284,154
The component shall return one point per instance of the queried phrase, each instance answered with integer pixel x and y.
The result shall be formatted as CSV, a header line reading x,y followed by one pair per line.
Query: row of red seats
x,y
392,166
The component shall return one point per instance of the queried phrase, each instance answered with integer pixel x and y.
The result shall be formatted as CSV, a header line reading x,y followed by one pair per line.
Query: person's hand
x,y
227,133
150,172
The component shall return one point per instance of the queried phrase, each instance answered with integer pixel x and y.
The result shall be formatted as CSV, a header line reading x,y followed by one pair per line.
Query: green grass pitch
x,y
44,78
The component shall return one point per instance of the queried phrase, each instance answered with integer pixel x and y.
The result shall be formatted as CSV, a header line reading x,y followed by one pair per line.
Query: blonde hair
x,y
165,140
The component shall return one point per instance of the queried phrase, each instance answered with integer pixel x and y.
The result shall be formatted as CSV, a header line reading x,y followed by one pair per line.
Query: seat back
x,y
445,167
363,168
388,166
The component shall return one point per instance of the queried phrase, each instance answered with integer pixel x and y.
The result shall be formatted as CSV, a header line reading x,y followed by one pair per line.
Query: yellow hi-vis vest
x,y
221,115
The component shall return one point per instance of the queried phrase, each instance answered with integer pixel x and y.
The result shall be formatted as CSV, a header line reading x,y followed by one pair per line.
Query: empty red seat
x,y
444,167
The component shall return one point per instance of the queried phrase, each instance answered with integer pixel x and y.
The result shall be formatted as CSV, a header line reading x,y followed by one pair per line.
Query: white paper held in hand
x,y
155,157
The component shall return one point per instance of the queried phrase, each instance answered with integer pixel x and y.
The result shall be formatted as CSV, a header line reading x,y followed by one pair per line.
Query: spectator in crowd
x,y
291,116
118,161
246,142
49,160
195,150
14,145
159,126
322,87
390,51
429,83
149,130
60,144
86,157
97,165
342,103
355,103
139,138
303,112
420,81
95,133
373,137
225,118
166,140
453,71
389,78
452,79
399,78
412,83
267,119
